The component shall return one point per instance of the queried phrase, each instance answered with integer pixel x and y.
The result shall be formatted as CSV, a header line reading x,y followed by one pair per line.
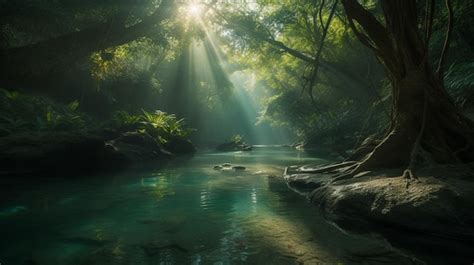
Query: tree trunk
x,y
423,113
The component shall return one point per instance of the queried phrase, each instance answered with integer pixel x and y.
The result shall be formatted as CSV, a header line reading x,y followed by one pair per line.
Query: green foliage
x,y
459,81
237,138
20,112
343,94
159,124
124,121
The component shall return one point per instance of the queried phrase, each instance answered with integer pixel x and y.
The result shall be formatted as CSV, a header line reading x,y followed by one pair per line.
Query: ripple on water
x,y
151,217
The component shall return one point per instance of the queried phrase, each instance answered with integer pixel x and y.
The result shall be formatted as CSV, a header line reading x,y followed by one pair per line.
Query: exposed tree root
x,y
327,168
397,150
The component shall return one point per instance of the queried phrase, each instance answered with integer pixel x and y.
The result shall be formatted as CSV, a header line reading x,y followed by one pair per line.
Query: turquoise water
x,y
185,214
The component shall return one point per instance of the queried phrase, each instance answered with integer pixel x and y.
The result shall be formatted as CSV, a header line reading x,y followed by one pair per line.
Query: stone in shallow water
x,y
228,166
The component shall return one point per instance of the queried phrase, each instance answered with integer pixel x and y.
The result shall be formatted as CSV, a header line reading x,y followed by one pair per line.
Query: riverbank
x,y
74,153
432,215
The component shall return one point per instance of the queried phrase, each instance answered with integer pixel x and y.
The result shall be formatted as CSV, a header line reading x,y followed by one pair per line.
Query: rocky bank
x,y
435,211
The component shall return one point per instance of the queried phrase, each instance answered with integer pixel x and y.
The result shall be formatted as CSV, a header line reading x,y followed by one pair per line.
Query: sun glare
x,y
194,10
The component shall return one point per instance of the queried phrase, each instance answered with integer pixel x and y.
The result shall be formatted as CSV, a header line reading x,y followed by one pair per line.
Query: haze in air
x,y
236,132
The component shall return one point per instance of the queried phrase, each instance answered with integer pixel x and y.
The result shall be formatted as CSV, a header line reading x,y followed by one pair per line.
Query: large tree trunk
x,y
423,115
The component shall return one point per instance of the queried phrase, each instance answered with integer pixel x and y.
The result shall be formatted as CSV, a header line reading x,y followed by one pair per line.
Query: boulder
x,y
436,211
138,148
179,146
428,206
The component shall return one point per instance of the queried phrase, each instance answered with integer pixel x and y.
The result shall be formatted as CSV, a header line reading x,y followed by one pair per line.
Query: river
x,y
186,213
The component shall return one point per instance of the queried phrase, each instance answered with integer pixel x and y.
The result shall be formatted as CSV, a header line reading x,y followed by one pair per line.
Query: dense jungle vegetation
x,y
303,69
383,90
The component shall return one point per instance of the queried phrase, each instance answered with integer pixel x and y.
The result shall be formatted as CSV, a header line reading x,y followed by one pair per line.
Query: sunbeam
x,y
194,10
203,131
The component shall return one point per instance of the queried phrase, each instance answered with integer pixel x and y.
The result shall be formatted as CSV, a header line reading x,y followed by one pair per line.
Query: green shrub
x,y
237,138
159,124
20,112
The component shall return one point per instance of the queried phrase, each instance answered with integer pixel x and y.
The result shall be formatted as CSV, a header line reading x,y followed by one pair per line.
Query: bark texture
x,y
422,112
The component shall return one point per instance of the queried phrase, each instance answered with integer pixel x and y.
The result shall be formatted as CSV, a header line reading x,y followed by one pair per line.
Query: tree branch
x,y
54,54
447,40
320,49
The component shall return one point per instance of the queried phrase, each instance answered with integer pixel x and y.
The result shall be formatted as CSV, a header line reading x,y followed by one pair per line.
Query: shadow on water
x,y
185,214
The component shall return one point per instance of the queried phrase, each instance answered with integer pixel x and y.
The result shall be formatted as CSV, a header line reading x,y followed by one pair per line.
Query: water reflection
x,y
186,215
205,198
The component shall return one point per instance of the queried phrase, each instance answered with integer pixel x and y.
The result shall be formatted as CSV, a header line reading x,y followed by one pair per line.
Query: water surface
x,y
185,214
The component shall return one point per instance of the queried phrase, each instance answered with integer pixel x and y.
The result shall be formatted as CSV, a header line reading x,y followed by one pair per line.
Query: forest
x,y
236,132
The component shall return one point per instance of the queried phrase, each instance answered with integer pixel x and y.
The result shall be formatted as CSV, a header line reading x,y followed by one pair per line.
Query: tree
x,y
248,24
29,64
424,120
283,44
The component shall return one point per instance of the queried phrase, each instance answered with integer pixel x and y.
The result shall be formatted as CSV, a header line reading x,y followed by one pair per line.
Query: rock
x,y
437,208
228,167
245,147
238,168
304,183
179,146
388,200
139,148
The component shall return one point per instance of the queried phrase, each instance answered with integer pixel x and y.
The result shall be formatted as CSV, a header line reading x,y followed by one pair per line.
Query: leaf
x,y
73,105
